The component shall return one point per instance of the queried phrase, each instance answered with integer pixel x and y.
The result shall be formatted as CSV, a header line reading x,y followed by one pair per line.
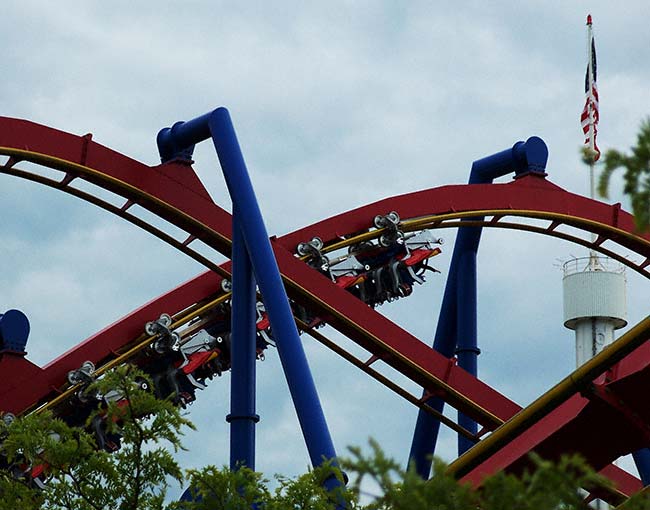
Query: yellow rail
x,y
142,342
567,387
431,221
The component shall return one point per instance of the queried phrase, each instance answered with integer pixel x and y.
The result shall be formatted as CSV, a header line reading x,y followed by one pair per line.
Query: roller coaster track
x,y
173,192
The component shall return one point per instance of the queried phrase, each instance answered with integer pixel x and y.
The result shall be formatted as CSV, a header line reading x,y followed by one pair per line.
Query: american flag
x,y
590,116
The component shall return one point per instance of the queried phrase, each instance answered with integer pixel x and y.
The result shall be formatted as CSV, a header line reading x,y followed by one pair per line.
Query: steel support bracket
x,y
605,394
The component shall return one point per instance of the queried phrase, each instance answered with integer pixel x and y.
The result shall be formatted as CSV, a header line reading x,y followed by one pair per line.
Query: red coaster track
x,y
610,396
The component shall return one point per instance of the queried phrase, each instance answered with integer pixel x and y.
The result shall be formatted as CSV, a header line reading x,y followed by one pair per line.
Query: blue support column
x,y
242,417
467,349
290,349
642,460
427,427
178,142
456,330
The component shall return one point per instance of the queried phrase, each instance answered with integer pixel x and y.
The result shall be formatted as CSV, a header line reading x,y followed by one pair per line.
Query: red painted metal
x,y
386,340
625,483
173,183
530,193
177,184
180,198
607,420
26,384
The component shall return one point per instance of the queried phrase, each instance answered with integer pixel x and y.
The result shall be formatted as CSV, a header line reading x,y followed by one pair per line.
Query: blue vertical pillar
x,y
456,332
242,417
290,349
466,331
178,142
427,427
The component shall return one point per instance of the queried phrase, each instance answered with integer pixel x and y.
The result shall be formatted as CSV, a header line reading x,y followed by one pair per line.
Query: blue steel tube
x,y
290,349
182,136
427,427
242,417
456,331
467,349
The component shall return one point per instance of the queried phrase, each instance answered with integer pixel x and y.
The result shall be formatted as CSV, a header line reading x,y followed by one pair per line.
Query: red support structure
x,y
174,192
612,407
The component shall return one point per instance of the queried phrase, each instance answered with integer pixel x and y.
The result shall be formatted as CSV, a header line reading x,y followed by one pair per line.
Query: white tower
x,y
594,303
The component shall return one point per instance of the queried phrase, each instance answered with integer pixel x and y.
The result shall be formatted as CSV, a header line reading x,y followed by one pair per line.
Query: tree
x,y
82,476
549,486
636,175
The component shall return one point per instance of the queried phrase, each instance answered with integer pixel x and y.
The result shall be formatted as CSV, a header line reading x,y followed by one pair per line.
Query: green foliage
x,y
137,476
217,489
241,489
639,501
81,477
308,492
636,175
588,155
405,490
549,486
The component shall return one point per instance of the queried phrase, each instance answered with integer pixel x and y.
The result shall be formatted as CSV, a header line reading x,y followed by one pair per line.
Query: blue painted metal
x,y
456,332
178,141
242,417
642,460
467,349
522,158
14,331
290,349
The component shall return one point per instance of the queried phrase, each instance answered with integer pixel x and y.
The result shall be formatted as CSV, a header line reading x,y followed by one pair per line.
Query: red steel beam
x,y
607,419
25,384
529,192
179,197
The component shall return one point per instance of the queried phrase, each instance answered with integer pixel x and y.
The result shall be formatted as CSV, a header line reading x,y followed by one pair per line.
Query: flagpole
x,y
593,261
590,81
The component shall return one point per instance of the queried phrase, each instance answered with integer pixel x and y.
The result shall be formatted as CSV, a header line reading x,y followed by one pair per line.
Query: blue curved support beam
x,y
456,332
178,141
290,349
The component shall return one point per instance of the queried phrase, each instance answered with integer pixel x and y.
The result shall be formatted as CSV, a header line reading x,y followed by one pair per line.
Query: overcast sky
x,y
336,104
